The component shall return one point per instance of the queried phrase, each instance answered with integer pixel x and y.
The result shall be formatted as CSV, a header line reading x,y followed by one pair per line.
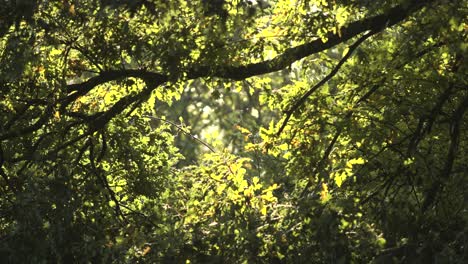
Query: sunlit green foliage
x,y
237,131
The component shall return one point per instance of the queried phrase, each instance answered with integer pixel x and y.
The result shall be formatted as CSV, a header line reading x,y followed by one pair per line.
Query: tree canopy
x,y
238,131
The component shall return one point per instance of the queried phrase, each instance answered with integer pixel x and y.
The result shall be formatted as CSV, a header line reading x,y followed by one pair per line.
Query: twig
x,y
180,128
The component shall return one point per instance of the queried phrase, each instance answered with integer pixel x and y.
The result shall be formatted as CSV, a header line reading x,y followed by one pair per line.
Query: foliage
x,y
242,131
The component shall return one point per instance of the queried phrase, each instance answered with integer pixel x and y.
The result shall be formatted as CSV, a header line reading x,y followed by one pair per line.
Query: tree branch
x,y
152,79
335,70
376,23
79,89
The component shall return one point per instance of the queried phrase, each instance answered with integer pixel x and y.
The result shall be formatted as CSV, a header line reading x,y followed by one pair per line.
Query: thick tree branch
x,y
376,23
107,76
151,79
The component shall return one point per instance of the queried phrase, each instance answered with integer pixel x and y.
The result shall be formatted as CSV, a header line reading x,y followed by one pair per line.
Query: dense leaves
x,y
245,131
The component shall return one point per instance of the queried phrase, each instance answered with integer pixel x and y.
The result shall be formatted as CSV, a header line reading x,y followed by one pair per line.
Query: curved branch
x,y
376,23
335,70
